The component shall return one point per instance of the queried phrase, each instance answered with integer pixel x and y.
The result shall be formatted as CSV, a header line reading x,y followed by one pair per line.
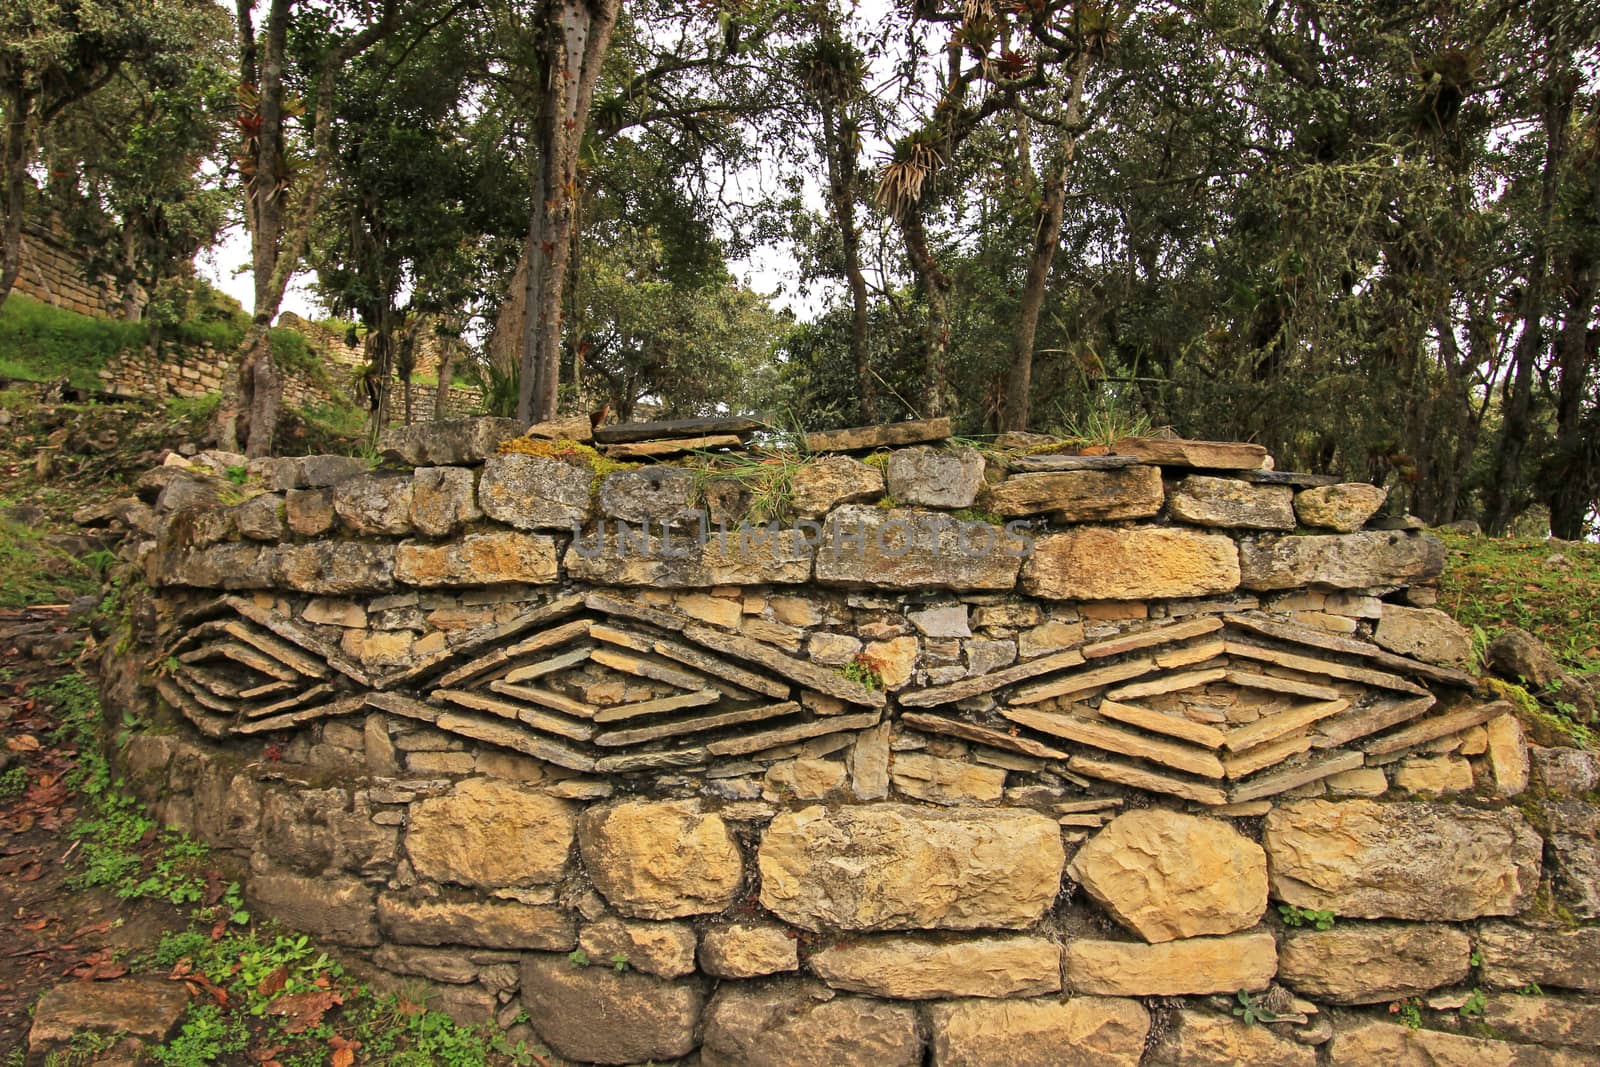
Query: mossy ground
x,y
1492,583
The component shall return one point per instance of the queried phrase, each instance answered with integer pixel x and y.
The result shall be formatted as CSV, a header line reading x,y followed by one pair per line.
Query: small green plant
x,y
1409,1011
237,474
864,671
206,1037
13,783
578,958
1530,990
1476,959
619,961
1251,1010
1297,916
85,1047
1475,1005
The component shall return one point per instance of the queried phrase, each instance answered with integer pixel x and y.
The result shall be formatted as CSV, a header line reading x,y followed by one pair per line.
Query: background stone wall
x,y
53,275
1206,749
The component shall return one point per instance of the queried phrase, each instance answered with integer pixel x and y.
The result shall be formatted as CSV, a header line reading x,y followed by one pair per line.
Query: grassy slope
x,y
1492,583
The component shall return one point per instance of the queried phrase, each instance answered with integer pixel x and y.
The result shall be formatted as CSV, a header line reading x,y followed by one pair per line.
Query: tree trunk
x,y
1046,237
278,235
1575,482
441,395
839,147
578,34
13,194
935,286
1500,496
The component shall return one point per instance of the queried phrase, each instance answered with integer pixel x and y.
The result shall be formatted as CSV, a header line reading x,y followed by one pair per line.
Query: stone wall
x,y
195,371
53,275
1006,757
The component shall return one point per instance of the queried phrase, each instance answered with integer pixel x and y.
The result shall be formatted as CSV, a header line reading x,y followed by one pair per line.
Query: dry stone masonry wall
x,y
887,751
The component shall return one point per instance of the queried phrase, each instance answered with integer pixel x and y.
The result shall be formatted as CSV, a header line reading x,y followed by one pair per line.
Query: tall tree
x,y
54,53
281,189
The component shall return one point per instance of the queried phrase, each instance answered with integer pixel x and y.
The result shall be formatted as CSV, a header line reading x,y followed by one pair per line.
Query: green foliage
x,y
1475,1005
1251,1010
39,342
13,783
33,572
1298,916
207,1036
1409,1011
1530,990
864,671
578,958
619,961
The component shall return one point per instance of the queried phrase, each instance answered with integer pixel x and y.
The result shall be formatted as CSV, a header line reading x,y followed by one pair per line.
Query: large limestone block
x,y
1345,507
1075,1032
1424,633
1355,963
1174,968
796,1023
648,494
446,442
599,1014
1165,875
1144,562
1394,1045
662,949
1207,501
374,504
339,910
497,924
1343,561
534,492
660,860
894,867
1545,1020
336,568
1206,1039
442,500
821,485
906,968
748,950
1079,496
491,834
224,566
1370,860
478,559
1514,957
1575,856
934,477
745,555
901,548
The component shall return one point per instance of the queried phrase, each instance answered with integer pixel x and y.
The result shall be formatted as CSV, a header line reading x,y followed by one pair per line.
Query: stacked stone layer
x,y
769,802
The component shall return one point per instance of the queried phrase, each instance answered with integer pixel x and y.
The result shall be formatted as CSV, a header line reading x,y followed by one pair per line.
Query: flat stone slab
x,y
145,1008
1298,479
916,432
1202,455
1030,464
627,432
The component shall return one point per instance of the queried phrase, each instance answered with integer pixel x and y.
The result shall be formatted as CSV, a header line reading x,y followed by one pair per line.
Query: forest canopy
x,y
1364,233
